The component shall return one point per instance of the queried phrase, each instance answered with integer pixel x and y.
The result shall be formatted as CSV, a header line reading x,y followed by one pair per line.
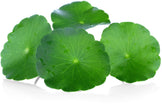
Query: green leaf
x,y
19,53
78,15
70,59
134,53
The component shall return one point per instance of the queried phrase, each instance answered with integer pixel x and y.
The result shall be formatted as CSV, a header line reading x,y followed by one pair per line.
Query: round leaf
x,y
78,14
134,53
19,53
71,60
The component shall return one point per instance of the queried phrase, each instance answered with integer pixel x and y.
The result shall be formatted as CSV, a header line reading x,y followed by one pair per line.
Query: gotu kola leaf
x,y
78,14
134,53
19,53
70,59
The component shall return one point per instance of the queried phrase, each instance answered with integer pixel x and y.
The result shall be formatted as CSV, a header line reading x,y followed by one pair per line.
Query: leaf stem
x,y
36,80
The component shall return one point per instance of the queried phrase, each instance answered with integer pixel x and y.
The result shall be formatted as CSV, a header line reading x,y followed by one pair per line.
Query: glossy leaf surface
x,y
134,53
19,53
78,15
70,59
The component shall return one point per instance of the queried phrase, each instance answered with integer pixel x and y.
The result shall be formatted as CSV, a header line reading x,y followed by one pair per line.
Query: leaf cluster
x,y
69,58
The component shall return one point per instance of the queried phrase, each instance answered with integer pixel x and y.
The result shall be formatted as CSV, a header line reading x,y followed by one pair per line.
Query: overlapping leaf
x,y
19,53
78,14
134,53
71,60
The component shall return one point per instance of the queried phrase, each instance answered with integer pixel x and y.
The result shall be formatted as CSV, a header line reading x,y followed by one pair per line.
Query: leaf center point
x,y
75,61
26,50
127,56
81,22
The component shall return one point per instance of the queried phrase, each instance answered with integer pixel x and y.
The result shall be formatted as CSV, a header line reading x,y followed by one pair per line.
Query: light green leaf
x,y
134,53
19,53
80,15
70,59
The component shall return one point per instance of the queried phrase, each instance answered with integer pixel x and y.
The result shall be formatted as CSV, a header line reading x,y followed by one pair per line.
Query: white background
x,y
113,91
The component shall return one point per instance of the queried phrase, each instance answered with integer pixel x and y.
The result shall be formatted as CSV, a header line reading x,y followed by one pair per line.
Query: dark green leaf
x,y
71,60
134,53
19,53
78,14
